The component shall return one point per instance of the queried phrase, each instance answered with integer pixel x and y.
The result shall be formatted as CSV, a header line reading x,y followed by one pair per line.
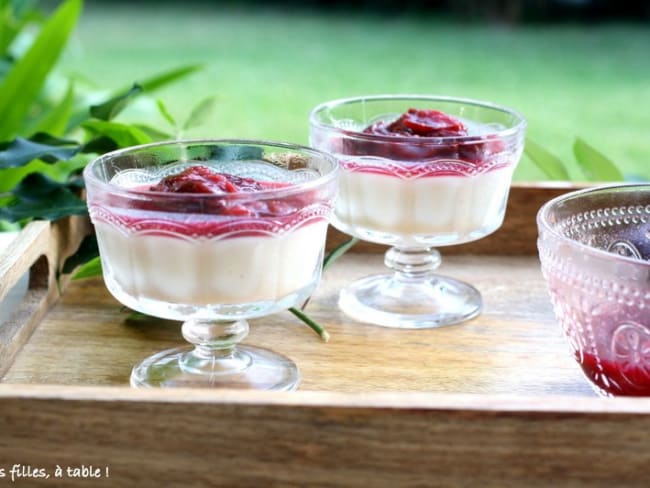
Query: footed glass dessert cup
x,y
212,233
594,248
417,172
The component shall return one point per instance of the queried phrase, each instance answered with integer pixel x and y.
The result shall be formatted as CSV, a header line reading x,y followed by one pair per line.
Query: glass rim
x,y
518,127
544,225
289,190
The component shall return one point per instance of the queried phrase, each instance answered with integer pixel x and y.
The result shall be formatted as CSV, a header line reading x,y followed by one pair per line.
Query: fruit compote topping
x,y
419,123
428,132
201,179
194,205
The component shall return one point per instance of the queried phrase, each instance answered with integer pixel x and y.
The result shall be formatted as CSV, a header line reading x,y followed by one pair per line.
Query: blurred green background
x,y
269,63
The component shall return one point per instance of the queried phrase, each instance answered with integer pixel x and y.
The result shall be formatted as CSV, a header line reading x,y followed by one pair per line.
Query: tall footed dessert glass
x,y
212,233
417,172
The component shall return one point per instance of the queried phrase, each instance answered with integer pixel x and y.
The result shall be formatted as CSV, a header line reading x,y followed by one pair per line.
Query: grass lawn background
x,y
269,68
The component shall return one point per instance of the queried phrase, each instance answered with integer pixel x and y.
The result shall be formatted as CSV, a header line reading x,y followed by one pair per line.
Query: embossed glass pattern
x,y
213,260
594,247
416,193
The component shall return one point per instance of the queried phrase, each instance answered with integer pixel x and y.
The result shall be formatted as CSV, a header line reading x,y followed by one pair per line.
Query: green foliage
x,y
42,146
56,120
594,166
551,165
197,117
124,135
85,262
161,80
39,197
162,108
23,83
112,107
14,16
200,113
87,269
41,156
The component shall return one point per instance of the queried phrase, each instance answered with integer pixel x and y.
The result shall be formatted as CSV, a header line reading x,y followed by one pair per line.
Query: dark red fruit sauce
x,y
422,127
203,202
201,179
419,123
616,377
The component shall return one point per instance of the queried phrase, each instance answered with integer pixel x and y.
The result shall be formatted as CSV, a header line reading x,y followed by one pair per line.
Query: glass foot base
x,y
245,367
410,304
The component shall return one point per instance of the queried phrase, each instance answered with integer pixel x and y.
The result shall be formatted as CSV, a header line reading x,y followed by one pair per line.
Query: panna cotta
x,y
421,178
210,240
434,209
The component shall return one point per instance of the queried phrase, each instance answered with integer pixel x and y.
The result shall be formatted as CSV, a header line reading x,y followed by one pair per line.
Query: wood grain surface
x,y
515,346
494,402
236,439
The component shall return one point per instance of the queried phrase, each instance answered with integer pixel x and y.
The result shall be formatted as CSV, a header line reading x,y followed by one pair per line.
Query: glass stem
x,y
412,264
212,339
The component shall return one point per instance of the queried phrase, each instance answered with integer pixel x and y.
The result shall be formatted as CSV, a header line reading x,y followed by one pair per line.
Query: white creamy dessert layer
x,y
453,205
233,270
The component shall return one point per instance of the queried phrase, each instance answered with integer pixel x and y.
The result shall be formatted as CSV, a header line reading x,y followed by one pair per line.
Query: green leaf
x,y
165,113
111,108
49,205
37,186
14,16
163,79
200,113
22,85
89,269
5,66
47,148
148,85
56,120
85,253
8,226
124,135
100,145
11,177
155,134
552,166
24,8
595,165
85,261
59,171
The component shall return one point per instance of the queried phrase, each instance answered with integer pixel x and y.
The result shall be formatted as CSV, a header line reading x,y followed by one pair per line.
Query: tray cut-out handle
x,y
39,249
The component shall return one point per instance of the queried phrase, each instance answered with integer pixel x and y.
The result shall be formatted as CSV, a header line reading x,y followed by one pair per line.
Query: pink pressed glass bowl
x,y
594,247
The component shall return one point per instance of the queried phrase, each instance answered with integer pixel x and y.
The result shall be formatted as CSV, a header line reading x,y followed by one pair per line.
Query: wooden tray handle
x,y
29,248
39,249
32,250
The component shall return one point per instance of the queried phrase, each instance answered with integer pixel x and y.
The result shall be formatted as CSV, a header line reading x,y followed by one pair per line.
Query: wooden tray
x,y
496,401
